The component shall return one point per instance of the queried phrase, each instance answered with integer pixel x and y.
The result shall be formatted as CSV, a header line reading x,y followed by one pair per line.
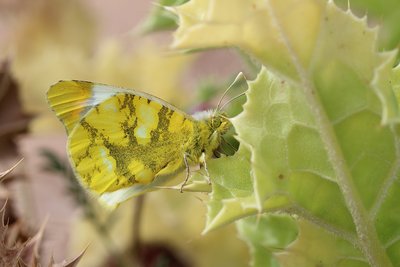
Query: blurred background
x,y
118,43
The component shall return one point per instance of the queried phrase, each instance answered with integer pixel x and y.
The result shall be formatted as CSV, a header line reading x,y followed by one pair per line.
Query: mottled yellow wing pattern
x,y
118,137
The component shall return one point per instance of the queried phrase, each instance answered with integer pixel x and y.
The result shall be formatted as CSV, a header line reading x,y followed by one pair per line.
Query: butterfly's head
x,y
220,123
217,123
213,126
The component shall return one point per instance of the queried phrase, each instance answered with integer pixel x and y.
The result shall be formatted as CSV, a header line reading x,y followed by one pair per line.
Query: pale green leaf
x,y
228,192
384,13
395,81
344,183
320,128
232,195
266,235
160,19
316,247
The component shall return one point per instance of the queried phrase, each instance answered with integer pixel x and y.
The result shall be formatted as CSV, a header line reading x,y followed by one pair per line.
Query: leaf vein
x,y
388,181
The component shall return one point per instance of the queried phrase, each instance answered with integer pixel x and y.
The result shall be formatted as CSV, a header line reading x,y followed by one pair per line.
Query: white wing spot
x,y
106,161
141,132
147,114
110,107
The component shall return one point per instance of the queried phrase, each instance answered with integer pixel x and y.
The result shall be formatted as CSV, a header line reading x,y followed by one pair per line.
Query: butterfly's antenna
x,y
223,95
232,99
237,79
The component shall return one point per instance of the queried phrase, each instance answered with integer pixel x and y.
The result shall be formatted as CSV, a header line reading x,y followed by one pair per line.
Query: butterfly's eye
x,y
215,122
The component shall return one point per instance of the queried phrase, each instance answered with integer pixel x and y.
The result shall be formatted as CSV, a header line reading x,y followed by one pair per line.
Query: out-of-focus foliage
x,y
136,68
52,40
163,213
318,132
58,43
57,40
160,18
4,173
130,68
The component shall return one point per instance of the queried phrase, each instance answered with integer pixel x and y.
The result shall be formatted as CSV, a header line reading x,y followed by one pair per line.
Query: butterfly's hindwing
x,y
127,139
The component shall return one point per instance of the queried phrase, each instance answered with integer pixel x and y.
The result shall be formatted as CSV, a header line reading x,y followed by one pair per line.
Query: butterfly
x,y
119,139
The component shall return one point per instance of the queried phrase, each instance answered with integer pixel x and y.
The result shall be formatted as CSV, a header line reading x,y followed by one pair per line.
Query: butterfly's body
x,y
118,138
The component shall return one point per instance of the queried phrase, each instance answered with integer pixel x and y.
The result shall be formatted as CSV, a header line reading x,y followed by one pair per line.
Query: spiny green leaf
x,y
316,247
321,132
395,81
228,192
385,13
297,40
232,195
343,189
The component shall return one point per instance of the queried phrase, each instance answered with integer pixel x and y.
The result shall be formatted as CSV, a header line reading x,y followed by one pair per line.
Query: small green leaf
x,y
232,195
266,235
161,19
231,186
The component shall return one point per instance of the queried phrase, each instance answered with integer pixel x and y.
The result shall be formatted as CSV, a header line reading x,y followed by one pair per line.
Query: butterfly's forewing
x,y
71,100
118,138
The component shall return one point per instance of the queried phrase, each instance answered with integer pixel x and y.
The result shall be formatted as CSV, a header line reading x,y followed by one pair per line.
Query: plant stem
x,y
136,224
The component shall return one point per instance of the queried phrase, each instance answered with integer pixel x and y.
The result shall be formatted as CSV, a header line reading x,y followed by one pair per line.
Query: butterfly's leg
x,y
203,163
187,171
